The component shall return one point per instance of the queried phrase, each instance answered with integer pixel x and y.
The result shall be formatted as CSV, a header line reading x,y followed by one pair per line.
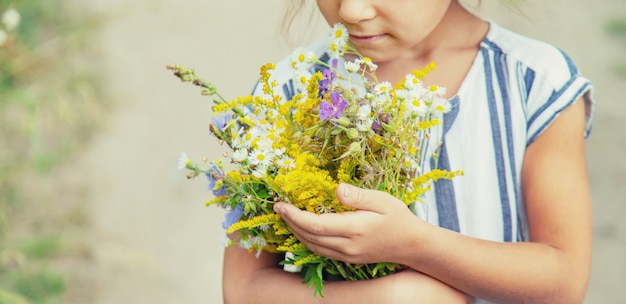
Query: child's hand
x,y
377,231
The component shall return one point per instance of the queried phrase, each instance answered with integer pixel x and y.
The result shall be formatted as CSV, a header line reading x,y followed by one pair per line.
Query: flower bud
x,y
352,133
343,121
353,149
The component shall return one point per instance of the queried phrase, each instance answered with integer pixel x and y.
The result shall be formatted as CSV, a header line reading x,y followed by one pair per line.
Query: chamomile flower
x,y
257,131
334,50
441,105
286,162
279,152
301,80
183,161
411,163
383,88
259,171
301,59
226,241
364,125
253,243
239,143
242,139
364,111
411,82
367,62
260,157
437,90
352,67
416,106
265,144
339,34
240,155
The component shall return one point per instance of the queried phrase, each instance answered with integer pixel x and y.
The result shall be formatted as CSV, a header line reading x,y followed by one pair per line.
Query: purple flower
x,y
213,176
221,121
377,126
326,82
232,217
333,109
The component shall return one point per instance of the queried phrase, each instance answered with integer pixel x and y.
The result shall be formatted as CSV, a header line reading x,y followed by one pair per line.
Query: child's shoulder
x,y
542,58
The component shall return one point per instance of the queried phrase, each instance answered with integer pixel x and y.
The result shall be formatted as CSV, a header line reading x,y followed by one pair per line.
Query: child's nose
x,y
355,11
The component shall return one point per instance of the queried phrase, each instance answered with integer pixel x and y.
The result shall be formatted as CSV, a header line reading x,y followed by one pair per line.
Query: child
x,y
516,228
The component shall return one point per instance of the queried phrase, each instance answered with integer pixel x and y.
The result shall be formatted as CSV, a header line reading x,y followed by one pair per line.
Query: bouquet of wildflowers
x,y
340,127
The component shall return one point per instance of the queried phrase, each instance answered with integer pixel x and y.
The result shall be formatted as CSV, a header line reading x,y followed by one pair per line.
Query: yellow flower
x,y
216,200
256,221
308,259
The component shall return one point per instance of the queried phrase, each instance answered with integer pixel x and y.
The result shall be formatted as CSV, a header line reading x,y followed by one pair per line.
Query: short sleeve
x,y
551,90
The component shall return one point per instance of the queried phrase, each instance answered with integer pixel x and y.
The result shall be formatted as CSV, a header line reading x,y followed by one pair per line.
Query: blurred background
x,y
92,207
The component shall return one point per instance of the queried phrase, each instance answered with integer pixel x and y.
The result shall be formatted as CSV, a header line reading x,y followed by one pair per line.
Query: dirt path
x,y
152,238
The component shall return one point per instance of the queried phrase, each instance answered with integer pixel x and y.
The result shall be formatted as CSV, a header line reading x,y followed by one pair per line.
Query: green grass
x,y
616,28
49,105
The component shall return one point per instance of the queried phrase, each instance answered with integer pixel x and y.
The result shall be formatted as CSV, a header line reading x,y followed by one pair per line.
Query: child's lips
x,y
365,38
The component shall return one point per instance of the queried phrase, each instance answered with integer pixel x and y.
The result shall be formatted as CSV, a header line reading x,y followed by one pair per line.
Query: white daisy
x,y
416,106
260,171
183,161
258,131
339,35
411,163
364,111
240,143
441,105
411,82
301,59
279,152
367,62
240,155
260,157
256,242
364,125
265,144
437,90
286,162
352,67
301,80
242,139
334,51
380,100
383,88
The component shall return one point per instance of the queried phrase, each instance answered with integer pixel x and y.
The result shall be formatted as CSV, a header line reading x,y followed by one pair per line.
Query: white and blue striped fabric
x,y
514,90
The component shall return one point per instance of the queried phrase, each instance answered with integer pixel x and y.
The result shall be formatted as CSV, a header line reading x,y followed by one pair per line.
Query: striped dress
x,y
514,90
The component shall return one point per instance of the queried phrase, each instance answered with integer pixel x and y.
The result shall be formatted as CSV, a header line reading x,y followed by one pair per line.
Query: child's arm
x,y
247,279
552,268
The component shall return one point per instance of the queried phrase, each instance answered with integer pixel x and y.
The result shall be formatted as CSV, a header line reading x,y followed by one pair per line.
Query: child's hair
x,y
294,9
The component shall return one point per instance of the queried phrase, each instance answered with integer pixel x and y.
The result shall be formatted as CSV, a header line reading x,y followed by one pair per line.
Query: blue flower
x,y
232,217
216,174
221,121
